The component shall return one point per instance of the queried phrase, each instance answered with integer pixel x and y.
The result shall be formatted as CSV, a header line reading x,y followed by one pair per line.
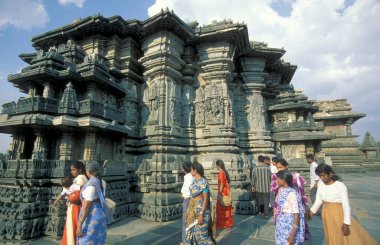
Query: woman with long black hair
x,y
224,218
290,226
200,227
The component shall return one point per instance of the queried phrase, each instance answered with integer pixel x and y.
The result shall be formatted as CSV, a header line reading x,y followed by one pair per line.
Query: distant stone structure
x,y
343,150
145,96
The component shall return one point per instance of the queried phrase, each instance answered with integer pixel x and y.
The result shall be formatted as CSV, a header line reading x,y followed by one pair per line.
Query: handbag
x,y
225,201
111,205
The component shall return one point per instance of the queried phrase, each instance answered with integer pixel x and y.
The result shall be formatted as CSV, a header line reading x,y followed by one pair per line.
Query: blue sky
x,y
334,43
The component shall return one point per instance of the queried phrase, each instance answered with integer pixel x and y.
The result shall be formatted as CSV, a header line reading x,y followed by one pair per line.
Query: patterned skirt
x,y
94,229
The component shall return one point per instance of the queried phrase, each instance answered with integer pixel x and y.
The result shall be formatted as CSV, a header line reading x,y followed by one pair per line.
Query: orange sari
x,y
224,218
72,214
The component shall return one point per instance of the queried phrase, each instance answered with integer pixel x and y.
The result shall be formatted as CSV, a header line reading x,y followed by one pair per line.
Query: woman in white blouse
x,y
92,224
339,226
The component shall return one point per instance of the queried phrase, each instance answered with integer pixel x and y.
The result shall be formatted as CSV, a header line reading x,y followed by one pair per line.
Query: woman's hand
x,y
309,214
200,219
186,216
79,230
290,240
345,230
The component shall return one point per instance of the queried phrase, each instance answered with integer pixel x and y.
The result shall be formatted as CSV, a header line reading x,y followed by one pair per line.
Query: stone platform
x,y
364,191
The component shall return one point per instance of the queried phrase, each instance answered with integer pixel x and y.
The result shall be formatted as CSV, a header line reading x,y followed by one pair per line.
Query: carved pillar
x,y
16,147
254,76
89,146
91,91
188,93
162,62
348,126
65,147
48,90
161,124
32,91
216,64
39,148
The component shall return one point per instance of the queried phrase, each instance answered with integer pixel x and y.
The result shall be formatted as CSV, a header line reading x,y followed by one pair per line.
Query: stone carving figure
x,y
199,113
3,227
214,110
258,114
191,116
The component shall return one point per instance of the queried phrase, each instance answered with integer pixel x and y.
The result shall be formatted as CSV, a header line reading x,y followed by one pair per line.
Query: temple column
x,y
258,135
348,125
48,90
214,101
161,121
16,147
89,146
188,93
32,91
65,147
39,148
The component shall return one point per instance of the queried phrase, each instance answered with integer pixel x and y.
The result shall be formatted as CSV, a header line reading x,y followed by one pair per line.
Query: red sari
x,y
224,218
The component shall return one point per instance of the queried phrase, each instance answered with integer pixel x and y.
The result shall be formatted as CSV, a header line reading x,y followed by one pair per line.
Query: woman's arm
x,y
204,206
295,226
346,209
318,201
86,205
57,200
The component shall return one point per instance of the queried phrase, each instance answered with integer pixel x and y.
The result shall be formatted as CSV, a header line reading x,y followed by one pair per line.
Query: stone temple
x,y
142,97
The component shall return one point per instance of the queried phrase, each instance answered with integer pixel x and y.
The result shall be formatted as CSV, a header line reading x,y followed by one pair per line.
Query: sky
x,y
334,43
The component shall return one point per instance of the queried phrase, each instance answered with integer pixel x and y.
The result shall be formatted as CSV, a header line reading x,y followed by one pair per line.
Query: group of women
x,y
200,224
291,209
86,220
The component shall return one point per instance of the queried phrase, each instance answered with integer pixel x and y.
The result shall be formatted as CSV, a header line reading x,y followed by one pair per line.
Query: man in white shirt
x,y
314,178
185,192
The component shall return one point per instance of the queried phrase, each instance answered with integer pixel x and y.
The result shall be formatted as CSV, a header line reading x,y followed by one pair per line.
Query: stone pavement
x,y
364,191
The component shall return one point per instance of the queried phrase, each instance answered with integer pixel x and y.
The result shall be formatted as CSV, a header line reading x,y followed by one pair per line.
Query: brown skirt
x,y
332,219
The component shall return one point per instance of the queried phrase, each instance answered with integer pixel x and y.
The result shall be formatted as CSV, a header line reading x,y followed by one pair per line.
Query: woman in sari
x,y
339,227
92,224
298,185
73,204
200,228
289,223
224,217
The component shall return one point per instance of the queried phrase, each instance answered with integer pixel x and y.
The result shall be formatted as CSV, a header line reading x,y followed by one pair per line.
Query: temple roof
x,y
336,110
80,28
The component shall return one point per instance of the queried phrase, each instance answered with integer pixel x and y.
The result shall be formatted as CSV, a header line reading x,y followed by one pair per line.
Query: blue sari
x,y
285,221
94,228
197,234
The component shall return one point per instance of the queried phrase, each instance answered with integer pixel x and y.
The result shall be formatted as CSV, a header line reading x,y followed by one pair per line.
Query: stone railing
x,y
97,109
36,169
31,104
297,126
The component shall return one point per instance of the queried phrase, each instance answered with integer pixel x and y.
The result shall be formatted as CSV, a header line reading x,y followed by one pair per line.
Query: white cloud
x,y
29,14
334,43
78,3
